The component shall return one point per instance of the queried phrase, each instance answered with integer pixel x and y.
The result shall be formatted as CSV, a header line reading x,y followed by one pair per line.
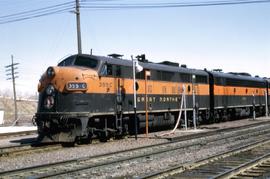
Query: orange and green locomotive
x,y
86,95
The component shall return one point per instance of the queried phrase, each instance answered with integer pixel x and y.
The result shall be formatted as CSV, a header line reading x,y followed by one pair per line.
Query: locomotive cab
x,y
63,99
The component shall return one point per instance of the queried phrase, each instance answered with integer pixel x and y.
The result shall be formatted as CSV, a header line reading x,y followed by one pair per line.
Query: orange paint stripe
x,y
110,85
238,91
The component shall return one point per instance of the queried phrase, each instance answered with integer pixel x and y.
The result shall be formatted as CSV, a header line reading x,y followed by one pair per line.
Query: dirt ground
x,y
26,109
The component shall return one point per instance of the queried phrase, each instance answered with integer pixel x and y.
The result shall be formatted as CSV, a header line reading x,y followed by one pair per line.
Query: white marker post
x,y
266,104
136,68
254,107
185,105
194,101
194,109
134,96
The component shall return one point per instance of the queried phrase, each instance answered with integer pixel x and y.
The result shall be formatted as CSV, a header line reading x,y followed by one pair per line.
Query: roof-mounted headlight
x,y
50,72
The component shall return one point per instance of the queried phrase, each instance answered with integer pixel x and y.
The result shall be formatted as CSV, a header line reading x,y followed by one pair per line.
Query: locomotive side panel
x,y
235,95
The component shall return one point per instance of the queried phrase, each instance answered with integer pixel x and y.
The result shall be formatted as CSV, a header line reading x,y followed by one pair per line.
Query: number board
x,y
76,86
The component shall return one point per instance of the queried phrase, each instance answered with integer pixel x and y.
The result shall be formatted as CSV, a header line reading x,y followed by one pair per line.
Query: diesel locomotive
x,y
87,95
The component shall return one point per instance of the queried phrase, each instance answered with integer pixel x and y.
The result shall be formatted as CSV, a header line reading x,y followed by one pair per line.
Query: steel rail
x,y
245,166
184,167
104,157
213,132
261,170
15,134
27,149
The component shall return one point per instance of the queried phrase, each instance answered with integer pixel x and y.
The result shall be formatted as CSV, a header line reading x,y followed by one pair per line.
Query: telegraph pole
x,y
12,75
78,27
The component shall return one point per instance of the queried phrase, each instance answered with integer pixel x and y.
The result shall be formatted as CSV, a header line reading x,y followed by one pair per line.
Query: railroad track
x,y
74,167
248,161
31,147
17,134
213,132
255,168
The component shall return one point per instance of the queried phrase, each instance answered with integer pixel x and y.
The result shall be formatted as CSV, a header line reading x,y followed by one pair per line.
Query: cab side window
x,y
118,71
106,70
109,70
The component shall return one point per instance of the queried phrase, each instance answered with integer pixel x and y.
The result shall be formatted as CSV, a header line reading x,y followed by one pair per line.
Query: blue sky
x,y
234,38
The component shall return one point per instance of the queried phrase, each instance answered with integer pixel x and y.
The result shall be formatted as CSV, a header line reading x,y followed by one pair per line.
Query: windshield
x,y
86,62
67,62
79,61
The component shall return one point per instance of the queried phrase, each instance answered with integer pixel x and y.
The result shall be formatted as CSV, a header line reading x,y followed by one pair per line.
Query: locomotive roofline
x,y
162,67
168,68
236,76
145,65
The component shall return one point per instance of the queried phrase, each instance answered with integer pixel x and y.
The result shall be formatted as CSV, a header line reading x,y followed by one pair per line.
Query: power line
x,y
35,16
104,5
90,5
38,10
30,14
168,3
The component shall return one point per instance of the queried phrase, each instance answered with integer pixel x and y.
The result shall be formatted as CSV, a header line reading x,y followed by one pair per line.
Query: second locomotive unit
x,y
86,95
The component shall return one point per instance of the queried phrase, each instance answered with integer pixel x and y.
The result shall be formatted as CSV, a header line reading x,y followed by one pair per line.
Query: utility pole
x,y
77,12
12,75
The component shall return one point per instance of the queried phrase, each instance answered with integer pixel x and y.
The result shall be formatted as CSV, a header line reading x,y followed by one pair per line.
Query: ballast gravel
x,y
128,169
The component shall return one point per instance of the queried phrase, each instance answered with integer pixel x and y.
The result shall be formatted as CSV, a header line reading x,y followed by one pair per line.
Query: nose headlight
x,y
48,102
50,72
50,90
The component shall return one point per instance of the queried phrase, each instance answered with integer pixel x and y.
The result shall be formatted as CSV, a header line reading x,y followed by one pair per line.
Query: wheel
x,y
104,136
86,140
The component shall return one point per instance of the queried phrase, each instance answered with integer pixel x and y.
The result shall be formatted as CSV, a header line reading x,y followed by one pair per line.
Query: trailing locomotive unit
x,y
86,95
234,95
